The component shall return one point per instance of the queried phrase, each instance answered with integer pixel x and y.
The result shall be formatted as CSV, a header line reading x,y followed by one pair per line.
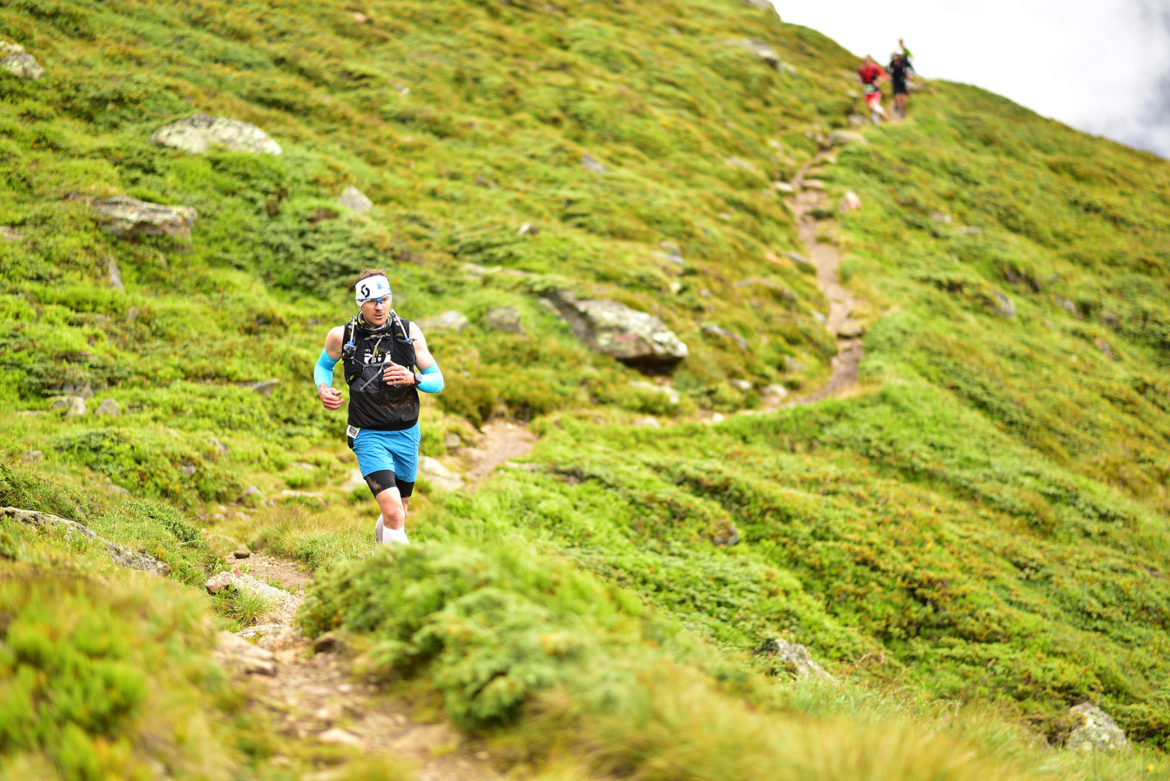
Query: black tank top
x,y
372,403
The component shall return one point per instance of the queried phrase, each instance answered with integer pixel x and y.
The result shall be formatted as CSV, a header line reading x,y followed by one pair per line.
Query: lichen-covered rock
x,y
354,199
445,321
200,132
1096,731
761,50
793,658
128,218
121,555
439,476
849,202
844,137
592,164
15,60
613,329
506,319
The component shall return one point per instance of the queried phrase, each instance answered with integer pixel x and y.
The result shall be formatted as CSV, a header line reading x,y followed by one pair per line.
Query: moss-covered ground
x,y
973,540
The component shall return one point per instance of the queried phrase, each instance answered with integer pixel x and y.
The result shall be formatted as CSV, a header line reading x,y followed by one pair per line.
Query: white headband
x,y
371,287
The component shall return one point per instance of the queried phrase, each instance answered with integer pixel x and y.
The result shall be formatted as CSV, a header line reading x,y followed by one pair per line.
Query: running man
x,y
386,364
870,73
900,71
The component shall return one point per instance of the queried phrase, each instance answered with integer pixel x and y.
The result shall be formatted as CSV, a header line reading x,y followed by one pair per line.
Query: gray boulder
x,y
354,199
115,273
761,50
128,218
74,406
121,555
18,62
200,132
439,476
1004,305
793,658
592,164
843,138
264,387
725,534
1095,731
506,319
108,407
445,321
723,333
670,393
613,329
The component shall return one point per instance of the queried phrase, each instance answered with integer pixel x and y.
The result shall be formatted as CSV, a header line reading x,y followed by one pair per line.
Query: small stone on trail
x,y
850,202
339,737
242,553
326,643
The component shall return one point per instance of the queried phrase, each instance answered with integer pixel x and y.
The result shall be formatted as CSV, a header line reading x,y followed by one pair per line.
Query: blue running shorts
x,y
396,451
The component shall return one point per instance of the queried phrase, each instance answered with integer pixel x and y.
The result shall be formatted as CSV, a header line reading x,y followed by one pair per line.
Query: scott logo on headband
x,y
371,287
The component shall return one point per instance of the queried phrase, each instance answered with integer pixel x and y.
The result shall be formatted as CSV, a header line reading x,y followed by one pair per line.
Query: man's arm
x,y
429,379
323,371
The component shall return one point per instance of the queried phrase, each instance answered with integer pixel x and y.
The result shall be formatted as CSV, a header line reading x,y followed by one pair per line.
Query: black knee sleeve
x,y
405,488
381,480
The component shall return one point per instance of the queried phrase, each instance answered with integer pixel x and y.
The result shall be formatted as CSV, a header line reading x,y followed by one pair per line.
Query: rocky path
x,y
809,200
330,718
308,690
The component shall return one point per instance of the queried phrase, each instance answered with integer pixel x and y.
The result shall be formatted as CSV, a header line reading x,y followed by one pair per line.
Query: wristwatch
x,y
417,378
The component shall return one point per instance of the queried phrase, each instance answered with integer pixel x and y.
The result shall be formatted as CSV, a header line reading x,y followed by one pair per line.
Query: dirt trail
x,y
502,441
827,259
308,690
312,698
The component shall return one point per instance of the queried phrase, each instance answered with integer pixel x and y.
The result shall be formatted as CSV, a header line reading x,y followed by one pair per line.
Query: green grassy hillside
x,y
971,541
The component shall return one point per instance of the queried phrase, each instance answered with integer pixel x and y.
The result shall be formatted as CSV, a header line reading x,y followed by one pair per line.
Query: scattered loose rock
x,y
115,273
33,456
850,202
108,407
633,337
200,132
592,164
1095,732
761,50
264,387
843,137
231,650
15,60
354,199
128,218
74,406
506,319
793,658
446,321
439,476
121,555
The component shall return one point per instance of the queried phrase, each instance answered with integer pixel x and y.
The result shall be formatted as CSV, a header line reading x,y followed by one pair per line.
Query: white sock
x,y
379,531
395,536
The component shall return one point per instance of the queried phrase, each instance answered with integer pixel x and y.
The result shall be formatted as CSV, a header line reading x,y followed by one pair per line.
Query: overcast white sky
x,y
1102,67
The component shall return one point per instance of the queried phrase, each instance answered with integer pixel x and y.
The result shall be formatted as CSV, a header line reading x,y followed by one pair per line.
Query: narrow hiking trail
x,y
808,201
311,697
308,689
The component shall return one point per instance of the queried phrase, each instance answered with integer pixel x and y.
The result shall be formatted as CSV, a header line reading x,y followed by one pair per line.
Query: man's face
x,y
376,310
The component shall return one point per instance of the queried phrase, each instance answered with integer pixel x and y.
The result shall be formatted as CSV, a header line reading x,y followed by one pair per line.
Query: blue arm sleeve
x,y
323,371
432,379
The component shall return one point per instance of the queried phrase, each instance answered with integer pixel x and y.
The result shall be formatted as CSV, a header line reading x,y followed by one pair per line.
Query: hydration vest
x,y
372,403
